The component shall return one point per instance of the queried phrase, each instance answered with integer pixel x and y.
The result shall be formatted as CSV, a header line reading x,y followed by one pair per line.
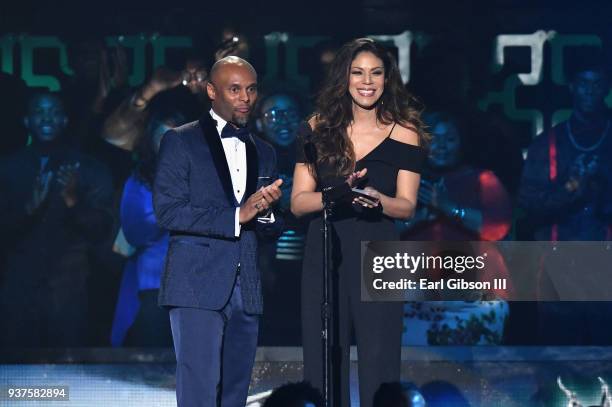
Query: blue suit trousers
x,y
215,352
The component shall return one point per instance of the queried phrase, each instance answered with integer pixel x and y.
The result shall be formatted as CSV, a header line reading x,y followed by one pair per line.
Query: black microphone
x,y
331,195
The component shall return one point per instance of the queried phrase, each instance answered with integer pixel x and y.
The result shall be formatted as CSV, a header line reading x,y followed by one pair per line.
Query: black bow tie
x,y
241,133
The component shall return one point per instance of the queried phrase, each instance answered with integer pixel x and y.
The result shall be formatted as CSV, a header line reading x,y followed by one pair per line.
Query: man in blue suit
x,y
206,194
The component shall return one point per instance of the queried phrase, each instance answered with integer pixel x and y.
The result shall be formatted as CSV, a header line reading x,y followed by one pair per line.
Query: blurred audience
x,y
278,115
446,77
55,209
566,184
323,55
566,192
12,109
138,319
92,154
98,85
126,124
457,201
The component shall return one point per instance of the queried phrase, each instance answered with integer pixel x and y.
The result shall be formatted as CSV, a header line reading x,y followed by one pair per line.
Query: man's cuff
x,y
237,225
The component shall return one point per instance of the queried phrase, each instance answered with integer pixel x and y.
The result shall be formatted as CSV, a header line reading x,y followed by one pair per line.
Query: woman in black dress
x,y
367,133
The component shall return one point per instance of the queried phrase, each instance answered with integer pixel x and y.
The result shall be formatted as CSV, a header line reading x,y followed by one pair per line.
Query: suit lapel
x,y
252,168
218,155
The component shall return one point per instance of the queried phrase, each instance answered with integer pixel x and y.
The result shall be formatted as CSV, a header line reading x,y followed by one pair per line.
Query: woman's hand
x,y
372,202
356,176
435,195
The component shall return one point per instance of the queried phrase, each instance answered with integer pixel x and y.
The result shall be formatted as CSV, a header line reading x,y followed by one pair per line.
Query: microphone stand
x,y
328,334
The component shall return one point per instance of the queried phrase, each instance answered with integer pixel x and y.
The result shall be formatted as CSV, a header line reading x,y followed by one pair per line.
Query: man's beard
x,y
240,121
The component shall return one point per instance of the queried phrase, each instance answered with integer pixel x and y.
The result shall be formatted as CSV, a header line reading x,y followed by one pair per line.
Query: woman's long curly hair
x,y
334,106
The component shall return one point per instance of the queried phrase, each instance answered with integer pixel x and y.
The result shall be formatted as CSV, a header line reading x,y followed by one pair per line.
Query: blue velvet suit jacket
x,y
194,199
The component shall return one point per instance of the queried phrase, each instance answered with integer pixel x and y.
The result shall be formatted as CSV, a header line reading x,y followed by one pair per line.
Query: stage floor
x,y
481,376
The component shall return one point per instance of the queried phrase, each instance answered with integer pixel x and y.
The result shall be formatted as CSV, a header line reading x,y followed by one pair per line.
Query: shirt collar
x,y
220,122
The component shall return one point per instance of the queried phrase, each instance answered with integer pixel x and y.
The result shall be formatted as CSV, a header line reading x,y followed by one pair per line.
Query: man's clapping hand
x,y
40,192
67,177
260,201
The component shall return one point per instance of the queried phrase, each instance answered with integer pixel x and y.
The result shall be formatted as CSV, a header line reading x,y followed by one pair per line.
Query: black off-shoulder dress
x,y
377,325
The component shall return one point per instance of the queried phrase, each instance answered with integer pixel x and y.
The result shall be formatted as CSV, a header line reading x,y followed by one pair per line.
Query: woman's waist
x,y
349,213
370,227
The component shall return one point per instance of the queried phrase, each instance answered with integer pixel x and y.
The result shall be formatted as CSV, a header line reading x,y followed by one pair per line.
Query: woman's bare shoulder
x,y
405,134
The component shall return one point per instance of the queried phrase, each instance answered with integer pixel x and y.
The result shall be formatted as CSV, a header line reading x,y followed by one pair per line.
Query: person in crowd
x,y
98,72
99,83
279,117
449,77
54,209
126,124
398,394
194,75
565,187
232,43
187,85
295,395
138,319
279,113
566,192
206,194
366,133
456,202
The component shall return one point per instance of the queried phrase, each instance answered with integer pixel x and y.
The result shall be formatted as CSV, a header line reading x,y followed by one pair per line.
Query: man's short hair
x,y
583,59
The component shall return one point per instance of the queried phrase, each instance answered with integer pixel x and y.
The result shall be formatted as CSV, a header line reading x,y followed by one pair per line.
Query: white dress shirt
x,y
235,154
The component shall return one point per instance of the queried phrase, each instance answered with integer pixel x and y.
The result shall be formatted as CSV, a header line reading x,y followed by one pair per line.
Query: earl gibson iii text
x,y
443,274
